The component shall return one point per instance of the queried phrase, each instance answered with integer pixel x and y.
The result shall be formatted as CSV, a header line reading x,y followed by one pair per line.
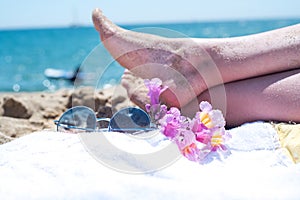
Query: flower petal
x,y
205,106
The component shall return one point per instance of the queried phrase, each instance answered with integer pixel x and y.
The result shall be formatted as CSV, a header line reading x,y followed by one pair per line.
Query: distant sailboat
x,y
75,19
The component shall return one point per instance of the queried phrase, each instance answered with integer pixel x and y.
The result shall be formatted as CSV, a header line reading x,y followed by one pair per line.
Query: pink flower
x,y
191,152
218,139
209,117
185,138
170,129
203,134
156,111
205,106
161,112
171,123
203,137
186,143
155,89
195,138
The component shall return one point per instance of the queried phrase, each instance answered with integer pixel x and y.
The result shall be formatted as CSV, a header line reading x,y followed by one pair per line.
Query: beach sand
x,y
26,112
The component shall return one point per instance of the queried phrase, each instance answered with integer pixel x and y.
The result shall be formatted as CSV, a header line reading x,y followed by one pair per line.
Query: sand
x,y
26,112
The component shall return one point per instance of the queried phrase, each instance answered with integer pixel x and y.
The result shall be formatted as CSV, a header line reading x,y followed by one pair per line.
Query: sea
x,y
28,55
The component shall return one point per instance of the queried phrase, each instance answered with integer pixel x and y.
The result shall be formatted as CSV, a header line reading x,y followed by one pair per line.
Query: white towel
x,y
51,165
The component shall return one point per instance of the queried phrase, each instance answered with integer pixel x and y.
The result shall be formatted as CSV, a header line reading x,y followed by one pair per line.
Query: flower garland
x,y
196,137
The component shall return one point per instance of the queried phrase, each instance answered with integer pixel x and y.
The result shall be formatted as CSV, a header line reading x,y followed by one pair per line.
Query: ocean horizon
x,y
26,54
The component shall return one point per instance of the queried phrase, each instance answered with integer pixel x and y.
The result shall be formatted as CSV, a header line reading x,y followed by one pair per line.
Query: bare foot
x,y
180,61
136,89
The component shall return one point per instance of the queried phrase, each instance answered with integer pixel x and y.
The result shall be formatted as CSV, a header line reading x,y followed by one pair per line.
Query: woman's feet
x,y
136,89
181,62
191,66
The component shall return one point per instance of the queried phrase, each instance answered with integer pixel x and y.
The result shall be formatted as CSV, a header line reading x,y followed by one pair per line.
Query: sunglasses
x,y
83,119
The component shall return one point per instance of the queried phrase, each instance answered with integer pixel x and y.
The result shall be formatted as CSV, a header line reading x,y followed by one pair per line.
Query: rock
x,y
104,112
4,138
15,108
51,113
1,109
85,96
17,127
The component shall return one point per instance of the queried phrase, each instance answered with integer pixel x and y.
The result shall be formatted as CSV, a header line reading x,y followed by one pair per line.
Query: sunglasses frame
x,y
109,120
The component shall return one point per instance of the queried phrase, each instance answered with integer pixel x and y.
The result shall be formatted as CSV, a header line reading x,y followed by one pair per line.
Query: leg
x,y
197,64
272,97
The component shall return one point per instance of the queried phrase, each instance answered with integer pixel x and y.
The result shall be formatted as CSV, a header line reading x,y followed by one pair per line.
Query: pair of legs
x,y
255,77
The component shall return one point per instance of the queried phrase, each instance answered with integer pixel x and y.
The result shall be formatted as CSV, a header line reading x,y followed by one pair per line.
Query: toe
x,y
97,18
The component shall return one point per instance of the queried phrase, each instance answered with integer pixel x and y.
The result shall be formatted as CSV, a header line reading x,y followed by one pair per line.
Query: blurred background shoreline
x,y
26,53
58,35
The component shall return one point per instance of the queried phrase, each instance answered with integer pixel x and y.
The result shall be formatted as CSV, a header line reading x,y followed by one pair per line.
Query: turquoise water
x,y
25,54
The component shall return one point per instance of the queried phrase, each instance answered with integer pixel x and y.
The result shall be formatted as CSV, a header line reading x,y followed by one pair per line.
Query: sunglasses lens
x,y
129,120
77,119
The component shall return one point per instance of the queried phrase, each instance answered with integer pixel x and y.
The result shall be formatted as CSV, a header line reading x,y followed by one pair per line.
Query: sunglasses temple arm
x,y
133,131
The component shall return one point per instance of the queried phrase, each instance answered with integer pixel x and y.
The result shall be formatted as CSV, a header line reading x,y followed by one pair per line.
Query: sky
x,y
16,14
